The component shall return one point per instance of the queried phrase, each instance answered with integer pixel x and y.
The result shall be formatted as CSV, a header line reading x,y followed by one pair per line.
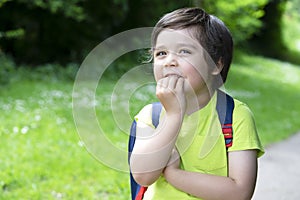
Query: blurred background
x,y
39,31
43,43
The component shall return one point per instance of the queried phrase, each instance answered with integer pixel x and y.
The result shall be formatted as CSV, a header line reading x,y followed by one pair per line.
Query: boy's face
x,y
176,53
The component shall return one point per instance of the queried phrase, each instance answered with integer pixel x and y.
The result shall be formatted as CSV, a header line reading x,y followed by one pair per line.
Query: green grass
x,y
272,90
42,156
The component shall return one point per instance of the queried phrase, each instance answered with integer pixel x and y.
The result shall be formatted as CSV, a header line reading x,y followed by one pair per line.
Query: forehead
x,y
179,37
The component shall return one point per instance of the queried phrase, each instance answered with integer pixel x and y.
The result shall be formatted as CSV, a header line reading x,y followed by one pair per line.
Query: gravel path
x,y
279,171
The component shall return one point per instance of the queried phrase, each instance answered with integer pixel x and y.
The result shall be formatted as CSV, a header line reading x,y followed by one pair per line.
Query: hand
x,y
170,92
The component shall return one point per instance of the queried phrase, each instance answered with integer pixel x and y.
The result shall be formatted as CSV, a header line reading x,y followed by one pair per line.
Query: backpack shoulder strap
x,y
156,109
225,106
138,191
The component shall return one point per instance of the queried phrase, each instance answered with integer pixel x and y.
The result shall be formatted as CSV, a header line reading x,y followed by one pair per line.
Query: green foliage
x,y
69,8
57,31
51,72
241,17
12,33
268,42
7,69
293,9
291,29
10,73
64,31
2,2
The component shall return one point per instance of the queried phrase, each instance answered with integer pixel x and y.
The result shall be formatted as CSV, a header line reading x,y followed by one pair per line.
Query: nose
x,y
171,60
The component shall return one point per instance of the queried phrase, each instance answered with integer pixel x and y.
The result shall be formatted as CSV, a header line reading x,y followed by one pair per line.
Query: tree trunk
x,y
197,3
269,41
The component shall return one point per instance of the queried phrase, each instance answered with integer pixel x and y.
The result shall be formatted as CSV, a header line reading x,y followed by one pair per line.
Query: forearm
x,y
239,184
206,186
150,155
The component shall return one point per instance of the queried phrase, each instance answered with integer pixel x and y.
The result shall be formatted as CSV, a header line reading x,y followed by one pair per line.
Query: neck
x,y
198,101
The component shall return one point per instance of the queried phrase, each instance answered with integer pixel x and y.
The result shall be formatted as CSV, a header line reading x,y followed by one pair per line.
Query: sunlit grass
x,y
41,156
272,90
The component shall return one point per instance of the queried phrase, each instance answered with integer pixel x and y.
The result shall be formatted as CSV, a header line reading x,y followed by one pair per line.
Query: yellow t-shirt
x,y
201,144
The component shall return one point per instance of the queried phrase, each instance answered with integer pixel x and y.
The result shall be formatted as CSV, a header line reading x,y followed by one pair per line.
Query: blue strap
x,y
134,186
156,109
225,106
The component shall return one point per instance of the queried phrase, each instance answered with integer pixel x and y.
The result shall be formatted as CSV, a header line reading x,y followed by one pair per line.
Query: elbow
x,y
144,179
247,196
239,192
243,195
247,193
144,175
237,196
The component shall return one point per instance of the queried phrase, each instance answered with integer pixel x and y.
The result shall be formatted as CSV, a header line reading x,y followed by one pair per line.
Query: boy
x,y
185,156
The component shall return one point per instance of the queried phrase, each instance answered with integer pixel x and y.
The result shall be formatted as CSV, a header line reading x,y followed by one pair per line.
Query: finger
x,y
161,83
161,87
180,83
172,81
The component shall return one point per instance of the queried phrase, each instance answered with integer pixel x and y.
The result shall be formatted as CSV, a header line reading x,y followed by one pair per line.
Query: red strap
x,y
141,193
228,134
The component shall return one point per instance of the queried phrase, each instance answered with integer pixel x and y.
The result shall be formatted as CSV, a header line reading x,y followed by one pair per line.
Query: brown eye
x,y
160,53
184,51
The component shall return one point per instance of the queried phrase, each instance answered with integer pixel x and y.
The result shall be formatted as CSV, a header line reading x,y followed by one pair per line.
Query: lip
x,y
168,75
172,74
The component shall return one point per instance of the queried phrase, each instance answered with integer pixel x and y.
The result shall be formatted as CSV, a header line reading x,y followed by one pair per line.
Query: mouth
x,y
173,74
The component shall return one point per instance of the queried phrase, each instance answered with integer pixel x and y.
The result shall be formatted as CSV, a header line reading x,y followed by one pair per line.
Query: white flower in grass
x,y
37,117
16,129
24,130
81,143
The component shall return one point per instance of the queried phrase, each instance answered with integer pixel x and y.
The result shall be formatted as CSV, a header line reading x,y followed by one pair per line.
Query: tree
x,y
42,38
243,18
268,40
65,31
15,33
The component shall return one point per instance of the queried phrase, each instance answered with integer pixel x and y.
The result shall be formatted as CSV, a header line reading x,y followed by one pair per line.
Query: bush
x,y
63,31
10,73
241,17
8,68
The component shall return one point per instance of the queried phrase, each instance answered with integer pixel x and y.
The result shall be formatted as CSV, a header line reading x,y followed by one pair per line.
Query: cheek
x,y
198,72
157,70
196,80
195,76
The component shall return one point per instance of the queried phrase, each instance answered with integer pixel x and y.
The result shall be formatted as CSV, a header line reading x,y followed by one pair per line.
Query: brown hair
x,y
210,31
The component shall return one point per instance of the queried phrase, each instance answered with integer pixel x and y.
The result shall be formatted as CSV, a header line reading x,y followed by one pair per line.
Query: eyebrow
x,y
187,45
177,45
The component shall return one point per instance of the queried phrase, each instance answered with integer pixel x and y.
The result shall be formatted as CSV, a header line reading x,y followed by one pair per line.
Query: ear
x,y
218,68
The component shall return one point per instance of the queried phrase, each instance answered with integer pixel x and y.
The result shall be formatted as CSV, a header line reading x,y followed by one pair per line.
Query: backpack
x,y
224,107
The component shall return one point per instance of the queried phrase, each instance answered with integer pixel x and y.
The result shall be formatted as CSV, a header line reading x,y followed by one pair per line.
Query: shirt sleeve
x,y
144,117
245,135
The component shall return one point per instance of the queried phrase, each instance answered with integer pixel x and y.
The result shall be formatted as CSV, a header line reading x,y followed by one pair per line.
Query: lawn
x,y
272,91
43,157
